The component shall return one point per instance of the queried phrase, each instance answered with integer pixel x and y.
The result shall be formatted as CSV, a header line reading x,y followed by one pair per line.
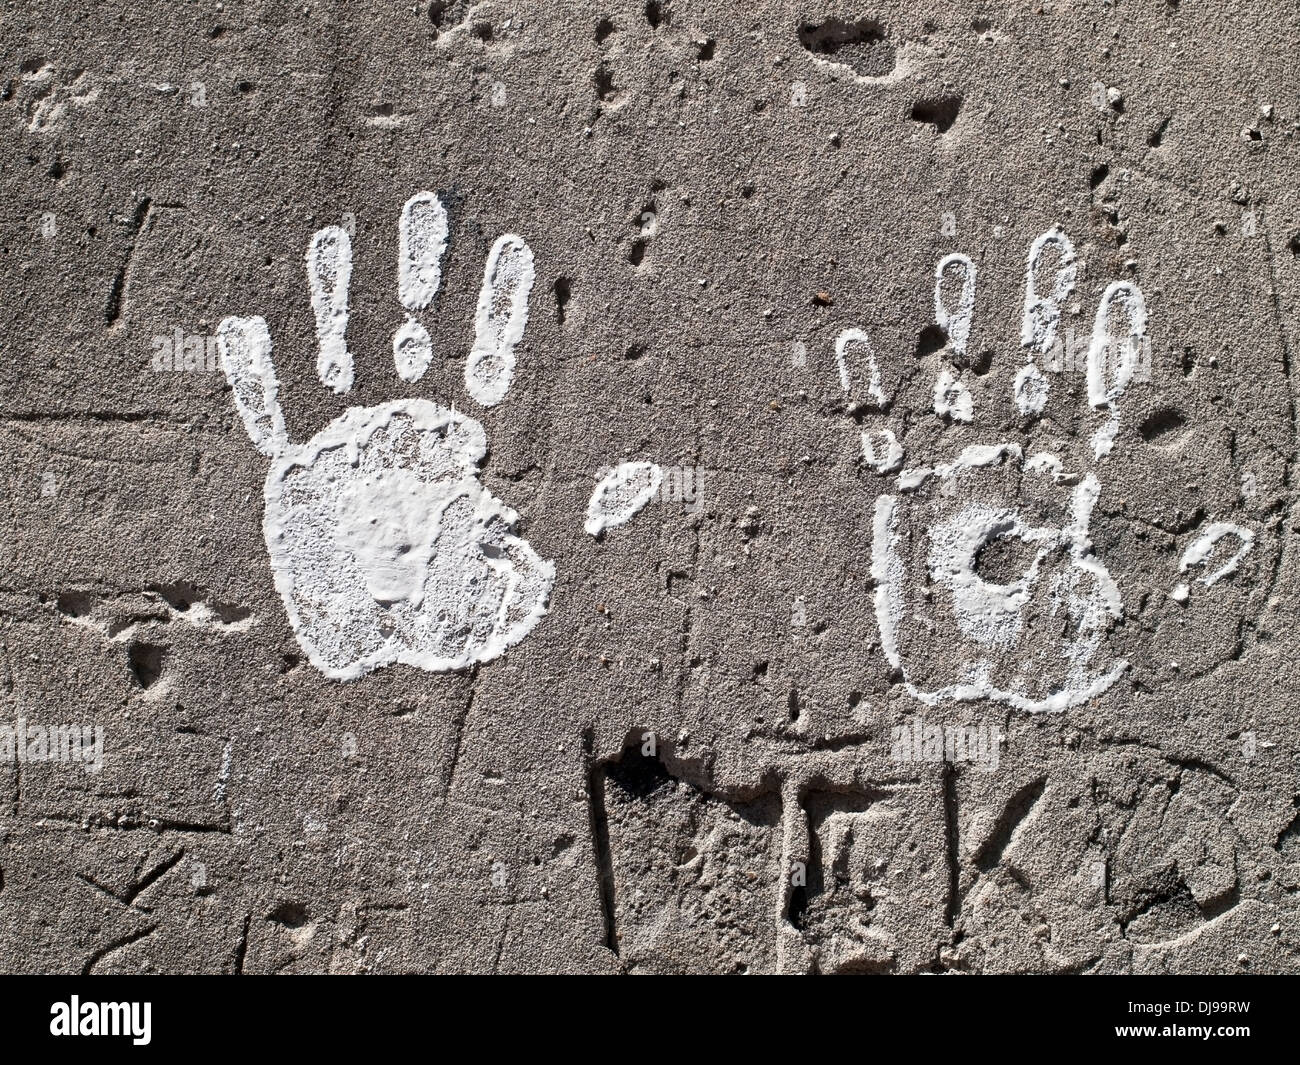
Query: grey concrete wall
x,y
1018,696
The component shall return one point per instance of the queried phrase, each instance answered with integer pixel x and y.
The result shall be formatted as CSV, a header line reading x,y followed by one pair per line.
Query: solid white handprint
x,y
987,584
384,544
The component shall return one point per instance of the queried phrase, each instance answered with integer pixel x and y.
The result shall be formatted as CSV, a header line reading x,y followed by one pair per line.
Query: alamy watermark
x,y
1070,352
678,484
916,741
24,743
131,1020
182,352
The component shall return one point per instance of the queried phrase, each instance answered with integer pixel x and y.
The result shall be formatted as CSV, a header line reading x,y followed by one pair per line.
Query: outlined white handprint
x,y
987,583
384,544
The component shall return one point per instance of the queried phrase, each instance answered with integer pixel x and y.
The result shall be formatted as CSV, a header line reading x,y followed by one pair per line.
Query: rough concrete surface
x,y
730,743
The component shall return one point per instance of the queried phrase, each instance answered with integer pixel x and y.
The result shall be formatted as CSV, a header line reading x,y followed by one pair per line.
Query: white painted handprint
x,y
384,544
987,583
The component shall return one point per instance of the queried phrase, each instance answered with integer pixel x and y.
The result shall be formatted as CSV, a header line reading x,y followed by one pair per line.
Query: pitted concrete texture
x,y
1019,696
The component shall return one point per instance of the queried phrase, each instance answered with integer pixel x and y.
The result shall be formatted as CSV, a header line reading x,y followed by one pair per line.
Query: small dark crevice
x,y
1167,892
125,417
563,292
931,339
152,877
180,596
1013,815
950,829
1157,135
599,819
241,948
117,291
447,14
146,662
115,945
289,914
658,13
639,775
75,604
1160,423
458,733
602,79
1289,838
1221,904
938,111
863,46
798,911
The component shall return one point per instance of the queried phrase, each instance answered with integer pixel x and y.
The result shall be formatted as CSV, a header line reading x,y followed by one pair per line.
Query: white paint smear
x,y
412,350
955,321
989,615
1204,545
422,232
977,455
887,573
620,494
912,479
997,654
1045,463
384,545
1031,390
1085,497
952,399
853,351
882,451
329,272
245,346
1103,440
387,549
799,613
499,323
1112,359
1043,312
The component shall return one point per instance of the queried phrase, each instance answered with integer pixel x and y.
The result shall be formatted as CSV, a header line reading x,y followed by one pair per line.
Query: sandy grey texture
x,y
712,193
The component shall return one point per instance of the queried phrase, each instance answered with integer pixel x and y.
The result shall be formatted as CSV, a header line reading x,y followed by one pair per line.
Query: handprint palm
x,y
991,588
384,544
